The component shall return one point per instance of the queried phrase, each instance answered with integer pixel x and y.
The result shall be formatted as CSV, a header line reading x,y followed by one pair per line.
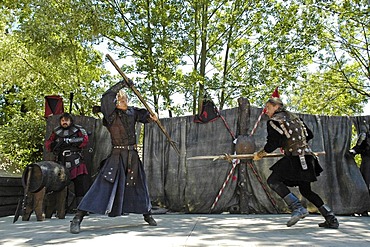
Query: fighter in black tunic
x,y
362,147
299,166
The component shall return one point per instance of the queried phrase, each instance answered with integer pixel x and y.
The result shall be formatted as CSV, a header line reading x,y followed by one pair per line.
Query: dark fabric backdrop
x,y
191,186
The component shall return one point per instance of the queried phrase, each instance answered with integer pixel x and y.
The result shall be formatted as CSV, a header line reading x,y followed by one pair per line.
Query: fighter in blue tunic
x,y
120,186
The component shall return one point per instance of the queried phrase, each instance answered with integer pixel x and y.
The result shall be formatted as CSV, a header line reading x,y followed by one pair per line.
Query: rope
x,y
227,126
235,162
250,164
258,121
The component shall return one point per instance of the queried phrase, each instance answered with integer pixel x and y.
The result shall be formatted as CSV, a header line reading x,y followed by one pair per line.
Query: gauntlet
x,y
259,155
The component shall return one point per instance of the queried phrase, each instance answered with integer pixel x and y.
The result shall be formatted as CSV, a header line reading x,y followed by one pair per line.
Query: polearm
x,y
137,93
240,156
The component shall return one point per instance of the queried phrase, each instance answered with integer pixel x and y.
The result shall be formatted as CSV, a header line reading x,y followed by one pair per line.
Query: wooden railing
x,y
11,191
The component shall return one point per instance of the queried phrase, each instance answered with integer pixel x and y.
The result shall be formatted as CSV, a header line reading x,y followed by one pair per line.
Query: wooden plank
x,y
243,126
11,191
9,200
10,181
7,210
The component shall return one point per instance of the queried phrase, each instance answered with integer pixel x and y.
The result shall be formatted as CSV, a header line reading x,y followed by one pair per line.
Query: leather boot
x,y
78,200
298,211
76,222
149,219
330,220
365,213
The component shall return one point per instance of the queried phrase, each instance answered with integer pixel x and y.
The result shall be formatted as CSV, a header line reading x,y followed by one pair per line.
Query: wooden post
x,y
243,126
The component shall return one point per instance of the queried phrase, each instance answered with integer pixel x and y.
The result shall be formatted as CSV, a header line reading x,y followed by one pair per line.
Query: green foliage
x,y
341,79
354,138
21,140
40,56
338,100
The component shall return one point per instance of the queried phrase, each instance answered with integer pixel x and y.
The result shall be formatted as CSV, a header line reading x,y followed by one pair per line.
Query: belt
x,y
301,151
128,147
67,153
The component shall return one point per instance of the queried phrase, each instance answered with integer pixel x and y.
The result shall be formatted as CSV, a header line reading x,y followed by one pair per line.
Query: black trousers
x,y
81,185
277,183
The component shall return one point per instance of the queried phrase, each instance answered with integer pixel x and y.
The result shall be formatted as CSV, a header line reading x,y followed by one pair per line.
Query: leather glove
x,y
153,118
259,155
128,83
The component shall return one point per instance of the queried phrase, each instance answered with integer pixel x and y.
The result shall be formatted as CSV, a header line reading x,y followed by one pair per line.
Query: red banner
x,y
53,105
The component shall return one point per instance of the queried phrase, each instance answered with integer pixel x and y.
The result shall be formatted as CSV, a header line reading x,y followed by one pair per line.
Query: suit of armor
x,y
287,131
67,144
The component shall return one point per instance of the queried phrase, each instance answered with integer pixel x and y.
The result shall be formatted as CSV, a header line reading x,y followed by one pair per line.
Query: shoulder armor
x,y
73,129
279,116
61,132
275,127
83,131
294,130
58,131
58,128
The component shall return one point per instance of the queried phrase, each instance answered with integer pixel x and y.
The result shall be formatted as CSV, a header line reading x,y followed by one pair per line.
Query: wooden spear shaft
x,y
137,93
240,156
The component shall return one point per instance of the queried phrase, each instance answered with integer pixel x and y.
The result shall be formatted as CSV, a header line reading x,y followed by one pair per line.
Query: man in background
x,y
67,141
362,147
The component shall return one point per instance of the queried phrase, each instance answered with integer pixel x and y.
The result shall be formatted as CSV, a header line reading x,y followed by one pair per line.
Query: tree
x,y
234,48
150,33
42,55
342,77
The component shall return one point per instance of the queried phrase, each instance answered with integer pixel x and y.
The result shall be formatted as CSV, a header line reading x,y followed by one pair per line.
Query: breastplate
x,y
295,132
122,130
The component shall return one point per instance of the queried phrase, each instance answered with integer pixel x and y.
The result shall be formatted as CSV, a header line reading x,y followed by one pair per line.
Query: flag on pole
x,y
53,105
209,112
